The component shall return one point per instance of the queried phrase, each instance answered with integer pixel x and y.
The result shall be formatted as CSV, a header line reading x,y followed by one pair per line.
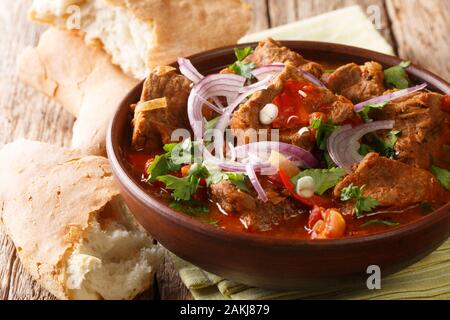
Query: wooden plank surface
x,y
419,30
422,32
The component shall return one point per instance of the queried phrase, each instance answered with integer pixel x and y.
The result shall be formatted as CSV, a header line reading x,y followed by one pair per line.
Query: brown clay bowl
x,y
272,262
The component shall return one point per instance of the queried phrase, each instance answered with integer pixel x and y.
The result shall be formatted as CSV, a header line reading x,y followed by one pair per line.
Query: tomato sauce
x,y
296,103
293,228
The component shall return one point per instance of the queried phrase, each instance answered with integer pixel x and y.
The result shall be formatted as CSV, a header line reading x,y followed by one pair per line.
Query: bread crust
x,y
81,78
49,196
186,27
181,27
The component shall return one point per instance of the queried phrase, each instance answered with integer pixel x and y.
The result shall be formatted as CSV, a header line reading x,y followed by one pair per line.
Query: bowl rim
x,y
126,179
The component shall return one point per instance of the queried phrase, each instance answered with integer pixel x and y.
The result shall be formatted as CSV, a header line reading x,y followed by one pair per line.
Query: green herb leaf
x,y
324,179
426,207
161,165
397,77
442,175
238,179
405,64
243,68
365,149
212,222
192,207
323,131
242,53
211,124
386,148
362,204
350,192
184,188
378,221
329,162
329,71
365,205
369,107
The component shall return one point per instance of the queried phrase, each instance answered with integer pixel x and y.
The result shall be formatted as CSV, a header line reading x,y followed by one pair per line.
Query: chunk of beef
x,y
420,122
357,83
270,51
151,126
394,184
247,116
253,213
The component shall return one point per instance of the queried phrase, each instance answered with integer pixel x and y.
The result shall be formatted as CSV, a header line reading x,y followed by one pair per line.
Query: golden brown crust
x,y
184,27
51,197
82,78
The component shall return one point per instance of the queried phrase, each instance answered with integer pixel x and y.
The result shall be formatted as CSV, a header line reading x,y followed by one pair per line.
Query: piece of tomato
x,y
315,200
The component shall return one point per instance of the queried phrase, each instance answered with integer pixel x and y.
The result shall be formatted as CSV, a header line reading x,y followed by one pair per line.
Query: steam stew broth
x,y
371,218
292,229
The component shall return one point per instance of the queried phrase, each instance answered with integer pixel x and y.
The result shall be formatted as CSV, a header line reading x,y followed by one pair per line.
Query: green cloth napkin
x,y
427,279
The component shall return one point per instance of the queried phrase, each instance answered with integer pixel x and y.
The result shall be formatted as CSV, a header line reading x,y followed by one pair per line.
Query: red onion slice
x,y
391,96
255,182
343,144
210,86
312,78
225,118
268,70
295,153
188,70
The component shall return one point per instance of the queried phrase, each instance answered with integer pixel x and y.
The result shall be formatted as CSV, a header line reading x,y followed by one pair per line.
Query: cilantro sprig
x,y
184,188
442,175
385,147
238,179
191,207
324,179
397,77
369,107
240,67
323,131
379,222
362,204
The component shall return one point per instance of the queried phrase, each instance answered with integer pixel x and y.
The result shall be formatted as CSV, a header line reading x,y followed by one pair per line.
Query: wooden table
x,y
418,30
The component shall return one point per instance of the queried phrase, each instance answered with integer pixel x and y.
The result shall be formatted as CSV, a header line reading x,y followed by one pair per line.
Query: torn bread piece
x,y
82,79
140,34
72,231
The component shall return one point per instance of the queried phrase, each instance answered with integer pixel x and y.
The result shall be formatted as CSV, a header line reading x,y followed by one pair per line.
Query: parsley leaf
x,y
362,204
211,124
378,221
426,207
365,149
397,77
324,179
191,207
238,179
386,148
184,188
161,165
442,175
242,68
242,53
369,107
323,131
171,161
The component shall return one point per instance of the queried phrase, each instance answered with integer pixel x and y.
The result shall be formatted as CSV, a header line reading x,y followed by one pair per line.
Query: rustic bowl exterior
x,y
271,262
